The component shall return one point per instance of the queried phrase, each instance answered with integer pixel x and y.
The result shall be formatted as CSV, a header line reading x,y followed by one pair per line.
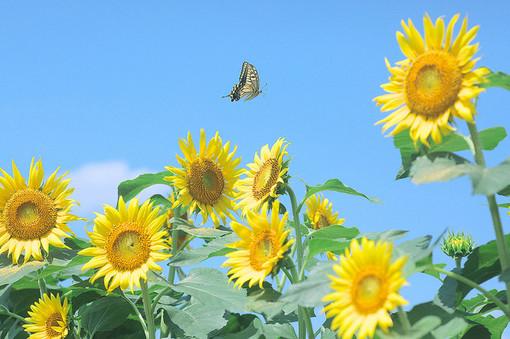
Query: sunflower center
x,y
51,322
433,83
127,247
29,214
263,248
206,182
265,178
369,293
323,221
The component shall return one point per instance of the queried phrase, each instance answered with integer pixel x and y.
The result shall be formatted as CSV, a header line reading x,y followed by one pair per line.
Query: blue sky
x,y
104,89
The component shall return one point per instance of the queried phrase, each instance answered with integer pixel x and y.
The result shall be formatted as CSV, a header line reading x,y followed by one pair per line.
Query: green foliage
x,y
214,248
104,314
130,188
452,143
497,79
333,185
334,238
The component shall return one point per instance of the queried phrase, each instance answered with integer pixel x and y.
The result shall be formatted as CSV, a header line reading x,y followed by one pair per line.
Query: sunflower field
x,y
289,267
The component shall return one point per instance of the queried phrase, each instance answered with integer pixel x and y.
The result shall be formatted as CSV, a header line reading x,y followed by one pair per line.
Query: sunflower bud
x,y
457,245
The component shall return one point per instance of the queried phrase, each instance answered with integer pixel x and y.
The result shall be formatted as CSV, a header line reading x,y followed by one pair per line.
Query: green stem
x,y
297,226
458,263
149,316
504,259
137,311
404,320
474,285
42,285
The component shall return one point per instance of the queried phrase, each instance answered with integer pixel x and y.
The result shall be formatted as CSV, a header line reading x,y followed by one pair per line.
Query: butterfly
x,y
248,86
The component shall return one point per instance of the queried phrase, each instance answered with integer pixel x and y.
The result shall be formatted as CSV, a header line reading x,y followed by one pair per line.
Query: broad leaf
x,y
333,238
199,232
104,314
486,326
213,248
333,185
13,273
158,199
497,79
130,188
424,170
309,293
487,181
210,286
197,319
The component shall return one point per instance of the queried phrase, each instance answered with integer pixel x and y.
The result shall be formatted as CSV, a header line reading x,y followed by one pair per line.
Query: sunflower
x,y
47,318
263,243
33,214
365,289
263,178
319,211
435,83
128,242
206,179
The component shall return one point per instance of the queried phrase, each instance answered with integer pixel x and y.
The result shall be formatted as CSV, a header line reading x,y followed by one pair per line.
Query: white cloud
x,y
96,184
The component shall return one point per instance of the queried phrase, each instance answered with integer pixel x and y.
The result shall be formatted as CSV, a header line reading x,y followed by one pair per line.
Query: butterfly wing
x,y
250,88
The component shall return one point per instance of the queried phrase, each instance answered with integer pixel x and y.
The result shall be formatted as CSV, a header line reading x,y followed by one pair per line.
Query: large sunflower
x,y
206,178
263,243
319,211
33,214
365,289
47,318
263,177
437,82
128,242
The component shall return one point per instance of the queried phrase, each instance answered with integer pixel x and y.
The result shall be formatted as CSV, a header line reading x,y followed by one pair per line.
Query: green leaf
x,y
210,286
13,273
424,170
158,199
486,327
453,142
214,248
451,329
309,293
334,238
497,79
274,330
104,314
446,296
481,265
334,185
130,188
487,181
416,250
199,232
507,205
264,301
197,319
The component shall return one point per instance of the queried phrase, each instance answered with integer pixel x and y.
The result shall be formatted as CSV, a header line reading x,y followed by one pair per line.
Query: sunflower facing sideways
x,y
205,181
319,211
128,242
33,214
263,244
263,177
365,289
47,318
435,83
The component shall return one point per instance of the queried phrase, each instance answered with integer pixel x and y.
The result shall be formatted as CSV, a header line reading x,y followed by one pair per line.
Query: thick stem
x,y
474,285
404,320
149,316
297,226
458,263
493,207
